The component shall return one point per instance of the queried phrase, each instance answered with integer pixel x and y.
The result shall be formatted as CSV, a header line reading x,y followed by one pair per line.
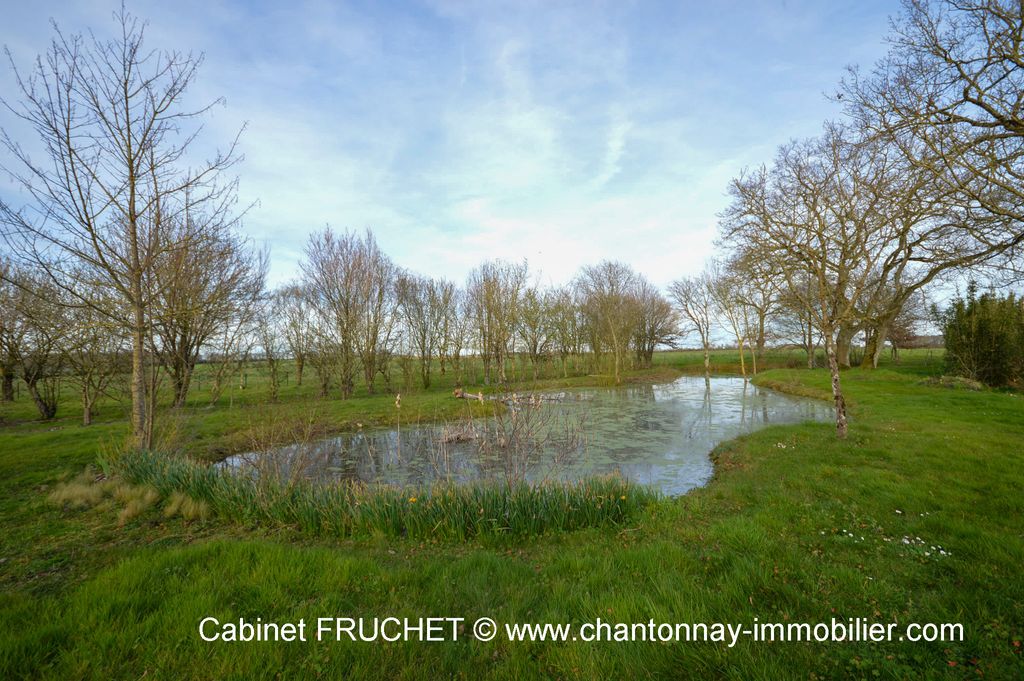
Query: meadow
x,y
796,526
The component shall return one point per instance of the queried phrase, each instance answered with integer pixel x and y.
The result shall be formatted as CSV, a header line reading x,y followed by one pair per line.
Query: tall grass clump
x,y
447,512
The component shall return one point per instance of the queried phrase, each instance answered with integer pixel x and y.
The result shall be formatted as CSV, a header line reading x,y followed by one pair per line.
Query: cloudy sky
x,y
560,132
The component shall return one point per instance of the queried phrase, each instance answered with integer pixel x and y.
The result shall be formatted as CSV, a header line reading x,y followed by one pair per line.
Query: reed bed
x,y
448,512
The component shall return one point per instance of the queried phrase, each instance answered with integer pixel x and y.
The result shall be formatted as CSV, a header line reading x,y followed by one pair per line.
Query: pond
x,y
657,435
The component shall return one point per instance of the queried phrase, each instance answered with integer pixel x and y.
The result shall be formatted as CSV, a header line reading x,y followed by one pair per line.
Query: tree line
x,y
126,264
918,183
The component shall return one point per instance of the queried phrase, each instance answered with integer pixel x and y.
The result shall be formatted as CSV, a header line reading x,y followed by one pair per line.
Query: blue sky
x,y
563,133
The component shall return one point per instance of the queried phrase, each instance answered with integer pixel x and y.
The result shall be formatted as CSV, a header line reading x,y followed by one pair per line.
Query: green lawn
x,y
794,527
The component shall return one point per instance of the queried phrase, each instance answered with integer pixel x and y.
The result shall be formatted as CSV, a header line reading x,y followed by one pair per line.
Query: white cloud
x,y
561,133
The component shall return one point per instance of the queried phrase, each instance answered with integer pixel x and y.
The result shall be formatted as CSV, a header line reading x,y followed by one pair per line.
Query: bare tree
x,y
40,324
95,351
324,352
657,323
458,329
566,326
494,290
11,331
693,296
350,283
231,348
758,292
376,308
203,286
423,313
331,283
609,300
948,93
297,326
270,322
797,321
447,300
906,324
534,327
726,292
110,118
817,217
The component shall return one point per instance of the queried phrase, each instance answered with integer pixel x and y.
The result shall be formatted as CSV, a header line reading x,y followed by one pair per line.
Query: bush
x,y
984,336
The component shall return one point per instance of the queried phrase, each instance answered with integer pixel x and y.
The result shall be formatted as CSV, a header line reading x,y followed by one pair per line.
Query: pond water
x,y
657,435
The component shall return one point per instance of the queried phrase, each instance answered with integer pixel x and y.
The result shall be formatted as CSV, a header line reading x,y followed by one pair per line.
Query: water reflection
x,y
654,435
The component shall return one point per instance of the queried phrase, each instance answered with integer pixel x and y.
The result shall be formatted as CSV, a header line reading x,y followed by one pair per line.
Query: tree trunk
x,y
86,406
138,384
424,373
7,378
874,345
46,411
182,383
842,345
300,362
837,388
759,351
370,373
275,381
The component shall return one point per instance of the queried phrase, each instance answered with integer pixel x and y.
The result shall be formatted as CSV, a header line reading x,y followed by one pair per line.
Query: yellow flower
x,y
623,497
412,500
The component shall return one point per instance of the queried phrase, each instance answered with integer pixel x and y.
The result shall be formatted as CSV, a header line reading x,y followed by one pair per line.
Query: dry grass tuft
x,y
136,498
83,491
187,507
87,490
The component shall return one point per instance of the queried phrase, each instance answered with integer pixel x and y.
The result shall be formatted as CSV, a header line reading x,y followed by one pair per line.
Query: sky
x,y
560,132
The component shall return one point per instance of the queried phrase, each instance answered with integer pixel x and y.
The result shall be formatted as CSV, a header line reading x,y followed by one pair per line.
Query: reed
x,y
448,512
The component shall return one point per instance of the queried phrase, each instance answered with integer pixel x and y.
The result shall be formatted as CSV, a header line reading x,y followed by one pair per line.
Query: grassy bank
x,y
795,527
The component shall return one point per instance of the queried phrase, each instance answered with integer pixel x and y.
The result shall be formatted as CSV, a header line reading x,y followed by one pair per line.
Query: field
x,y
795,527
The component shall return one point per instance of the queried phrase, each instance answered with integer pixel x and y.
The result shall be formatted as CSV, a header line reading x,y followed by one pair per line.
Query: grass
x,y
795,526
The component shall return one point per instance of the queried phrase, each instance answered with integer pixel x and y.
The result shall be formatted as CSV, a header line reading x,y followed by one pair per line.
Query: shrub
x,y
984,337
